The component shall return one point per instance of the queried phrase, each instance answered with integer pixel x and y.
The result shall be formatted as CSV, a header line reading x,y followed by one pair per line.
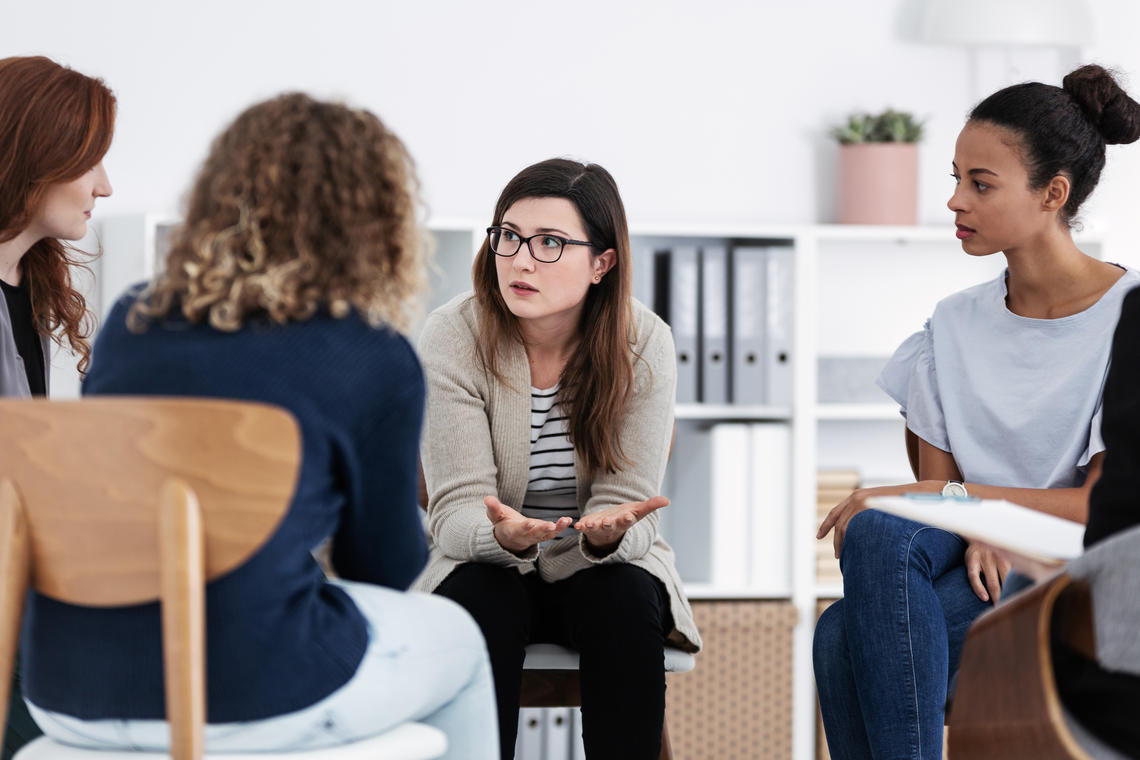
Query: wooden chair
x,y
120,501
1006,703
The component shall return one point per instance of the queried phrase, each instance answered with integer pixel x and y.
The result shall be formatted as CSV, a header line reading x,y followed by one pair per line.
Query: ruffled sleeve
x,y
1096,442
910,379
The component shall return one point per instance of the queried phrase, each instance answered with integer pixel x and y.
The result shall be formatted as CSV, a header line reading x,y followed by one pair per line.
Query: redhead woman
x,y
55,126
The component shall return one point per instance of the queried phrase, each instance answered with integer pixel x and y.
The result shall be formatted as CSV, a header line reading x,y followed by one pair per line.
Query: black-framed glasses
x,y
506,242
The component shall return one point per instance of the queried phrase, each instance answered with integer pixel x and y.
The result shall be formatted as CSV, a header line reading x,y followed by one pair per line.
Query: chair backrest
x,y
1006,702
1111,567
118,500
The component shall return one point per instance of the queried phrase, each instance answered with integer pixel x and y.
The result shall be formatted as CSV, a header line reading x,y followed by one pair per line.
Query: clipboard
x,y
1003,525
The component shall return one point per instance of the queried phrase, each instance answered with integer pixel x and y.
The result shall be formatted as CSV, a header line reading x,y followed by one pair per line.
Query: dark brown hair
x,y
55,125
300,205
597,381
1064,130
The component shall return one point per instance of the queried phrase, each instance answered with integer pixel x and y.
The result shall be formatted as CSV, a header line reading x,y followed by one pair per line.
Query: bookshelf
x,y
857,292
728,412
857,411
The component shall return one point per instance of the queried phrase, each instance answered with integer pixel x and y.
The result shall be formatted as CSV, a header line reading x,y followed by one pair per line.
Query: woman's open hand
x,y
515,532
842,512
604,529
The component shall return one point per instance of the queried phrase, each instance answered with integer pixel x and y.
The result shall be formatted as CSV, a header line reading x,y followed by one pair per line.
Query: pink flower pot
x,y
878,183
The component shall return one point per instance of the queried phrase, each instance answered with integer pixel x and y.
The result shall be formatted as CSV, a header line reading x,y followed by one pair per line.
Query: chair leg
x,y
666,747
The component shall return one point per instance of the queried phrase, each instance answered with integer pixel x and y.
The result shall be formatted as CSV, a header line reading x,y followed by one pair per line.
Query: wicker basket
x,y
737,703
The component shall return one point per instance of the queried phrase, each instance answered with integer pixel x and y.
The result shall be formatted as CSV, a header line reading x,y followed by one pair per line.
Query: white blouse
x,y
1015,400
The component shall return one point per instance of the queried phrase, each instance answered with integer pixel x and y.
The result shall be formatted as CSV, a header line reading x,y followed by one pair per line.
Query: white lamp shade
x,y
1008,22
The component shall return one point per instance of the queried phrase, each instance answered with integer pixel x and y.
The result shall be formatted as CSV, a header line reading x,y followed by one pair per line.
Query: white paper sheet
x,y
997,522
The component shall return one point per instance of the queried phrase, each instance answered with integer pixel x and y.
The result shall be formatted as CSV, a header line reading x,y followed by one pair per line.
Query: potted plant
x,y
878,168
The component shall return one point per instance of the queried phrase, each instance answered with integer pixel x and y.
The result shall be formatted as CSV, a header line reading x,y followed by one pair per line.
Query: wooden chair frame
x,y
118,501
1006,703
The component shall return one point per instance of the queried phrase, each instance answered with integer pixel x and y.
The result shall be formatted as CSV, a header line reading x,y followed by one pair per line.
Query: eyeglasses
x,y
506,243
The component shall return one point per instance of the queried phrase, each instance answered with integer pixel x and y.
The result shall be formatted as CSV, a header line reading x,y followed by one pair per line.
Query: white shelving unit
x,y
857,411
134,247
859,291
727,412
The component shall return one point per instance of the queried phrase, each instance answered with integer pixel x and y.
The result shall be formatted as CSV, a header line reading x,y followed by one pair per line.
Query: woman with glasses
x,y
546,438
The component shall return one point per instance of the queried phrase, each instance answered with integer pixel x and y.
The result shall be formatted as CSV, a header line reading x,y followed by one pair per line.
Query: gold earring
x,y
597,278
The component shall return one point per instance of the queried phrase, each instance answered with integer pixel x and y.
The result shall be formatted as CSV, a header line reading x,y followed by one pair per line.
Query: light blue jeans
x,y
426,661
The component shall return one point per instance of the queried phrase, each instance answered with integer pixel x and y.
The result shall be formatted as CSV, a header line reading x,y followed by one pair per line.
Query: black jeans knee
x,y
617,617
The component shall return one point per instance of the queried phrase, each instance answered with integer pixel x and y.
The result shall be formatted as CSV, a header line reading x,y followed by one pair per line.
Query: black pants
x,y
615,616
20,728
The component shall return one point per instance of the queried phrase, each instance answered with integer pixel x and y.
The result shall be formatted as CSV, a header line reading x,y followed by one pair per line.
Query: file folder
x,y
771,491
780,305
677,301
730,510
714,325
529,744
557,742
643,251
578,749
748,325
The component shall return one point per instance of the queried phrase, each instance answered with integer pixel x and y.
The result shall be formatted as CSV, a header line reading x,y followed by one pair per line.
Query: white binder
x,y
578,749
529,745
729,512
642,264
780,305
748,325
678,302
556,742
685,524
714,325
771,490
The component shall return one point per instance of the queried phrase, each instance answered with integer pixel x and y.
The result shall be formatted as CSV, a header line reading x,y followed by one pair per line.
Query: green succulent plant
x,y
888,126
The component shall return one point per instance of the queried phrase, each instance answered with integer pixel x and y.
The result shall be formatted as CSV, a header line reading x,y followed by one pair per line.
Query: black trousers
x,y
20,728
616,616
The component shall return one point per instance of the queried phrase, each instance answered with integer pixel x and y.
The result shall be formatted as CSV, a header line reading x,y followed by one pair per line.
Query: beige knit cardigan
x,y
476,443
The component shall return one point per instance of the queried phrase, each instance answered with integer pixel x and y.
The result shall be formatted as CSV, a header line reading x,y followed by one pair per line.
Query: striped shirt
x,y
552,490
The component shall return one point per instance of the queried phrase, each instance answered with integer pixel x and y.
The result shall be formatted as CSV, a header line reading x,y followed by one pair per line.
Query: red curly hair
x,y
55,125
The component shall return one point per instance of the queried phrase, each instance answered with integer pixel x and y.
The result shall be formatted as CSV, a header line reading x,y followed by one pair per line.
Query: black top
x,y
1105,702
28,344
1113,503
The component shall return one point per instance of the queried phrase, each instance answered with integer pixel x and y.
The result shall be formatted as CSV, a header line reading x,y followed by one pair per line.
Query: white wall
x,y
711,111
705,112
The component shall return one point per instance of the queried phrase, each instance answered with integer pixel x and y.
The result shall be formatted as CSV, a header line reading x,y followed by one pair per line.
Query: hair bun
x,y
1115,115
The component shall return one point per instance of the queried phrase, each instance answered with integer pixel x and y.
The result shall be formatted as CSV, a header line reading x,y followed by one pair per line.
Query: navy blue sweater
x,y
278,636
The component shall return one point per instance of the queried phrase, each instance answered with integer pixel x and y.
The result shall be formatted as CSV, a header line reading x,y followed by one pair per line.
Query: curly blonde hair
x,y
300,205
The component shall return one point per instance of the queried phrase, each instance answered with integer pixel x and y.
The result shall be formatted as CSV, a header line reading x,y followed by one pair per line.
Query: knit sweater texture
x,y
476,443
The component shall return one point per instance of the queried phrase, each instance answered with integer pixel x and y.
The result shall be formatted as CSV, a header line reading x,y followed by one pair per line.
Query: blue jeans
x,y
425,661
885,654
